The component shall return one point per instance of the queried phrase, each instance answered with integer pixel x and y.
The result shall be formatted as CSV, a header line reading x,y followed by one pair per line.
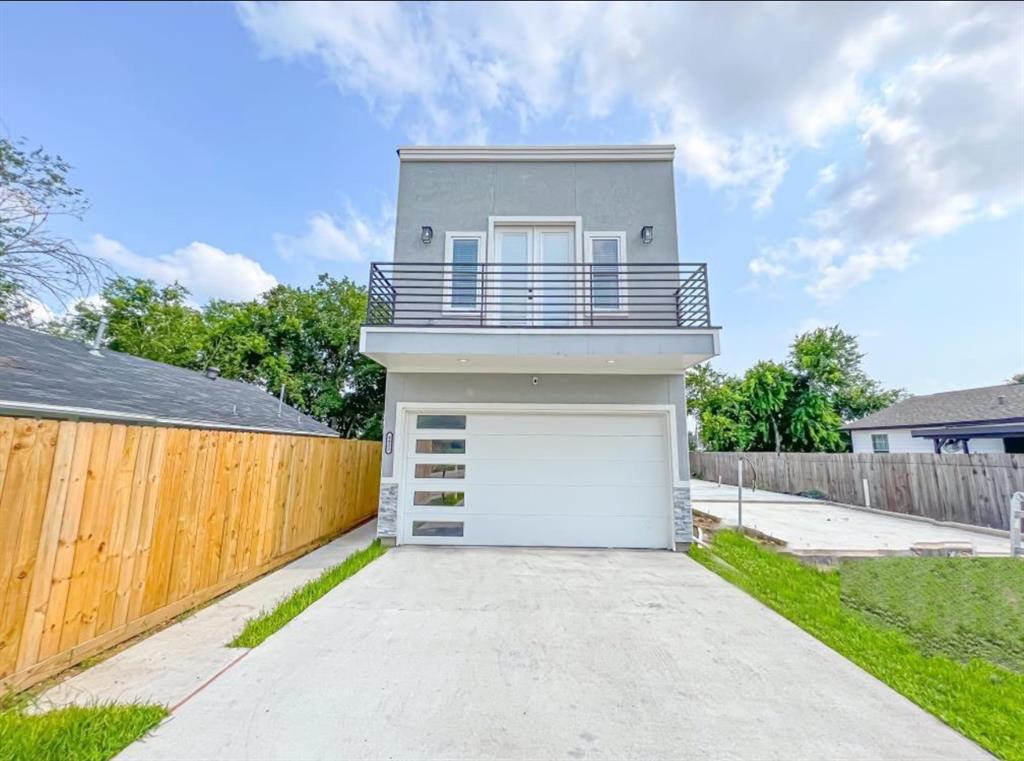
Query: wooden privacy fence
x,y
108,530
974,489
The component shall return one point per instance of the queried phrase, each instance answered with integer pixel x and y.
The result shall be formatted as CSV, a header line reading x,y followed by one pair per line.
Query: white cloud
x,y
355,238
737,86
828,264
826,176
930,92
207,271
38,312
808,324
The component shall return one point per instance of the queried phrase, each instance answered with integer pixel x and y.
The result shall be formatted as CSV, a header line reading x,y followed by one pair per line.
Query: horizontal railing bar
x,y
694,266
538,294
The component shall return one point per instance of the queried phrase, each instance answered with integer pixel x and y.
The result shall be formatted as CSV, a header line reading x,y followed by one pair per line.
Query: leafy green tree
x,y
306,339
145,320
797,406
718,406
813,423
766,390
828,361
1017,378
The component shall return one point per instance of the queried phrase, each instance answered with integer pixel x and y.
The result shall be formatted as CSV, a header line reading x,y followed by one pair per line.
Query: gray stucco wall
x,y
550,389
608,196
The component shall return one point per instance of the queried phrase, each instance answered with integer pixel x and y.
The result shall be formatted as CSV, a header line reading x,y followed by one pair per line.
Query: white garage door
x,y
536,478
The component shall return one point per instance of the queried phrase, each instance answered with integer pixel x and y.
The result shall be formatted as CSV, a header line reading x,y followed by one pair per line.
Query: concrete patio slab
x,y
815,527
170,665
497,653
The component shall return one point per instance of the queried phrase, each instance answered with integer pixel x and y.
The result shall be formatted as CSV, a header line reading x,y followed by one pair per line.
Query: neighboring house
x,y
45,376
977,420
535,324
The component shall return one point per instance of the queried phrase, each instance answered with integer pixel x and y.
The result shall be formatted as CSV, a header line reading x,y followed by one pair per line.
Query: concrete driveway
x,y
444,653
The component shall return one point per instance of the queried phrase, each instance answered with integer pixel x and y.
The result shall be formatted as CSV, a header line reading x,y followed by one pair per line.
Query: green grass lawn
x,y
978,698
267,622
961,607
94,733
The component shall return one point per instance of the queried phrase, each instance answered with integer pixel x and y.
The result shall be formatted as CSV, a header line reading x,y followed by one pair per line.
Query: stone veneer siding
x,y
682,514
387,511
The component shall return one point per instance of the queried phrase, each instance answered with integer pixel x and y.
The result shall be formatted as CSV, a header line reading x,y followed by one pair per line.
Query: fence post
x,y
867,493
1016,516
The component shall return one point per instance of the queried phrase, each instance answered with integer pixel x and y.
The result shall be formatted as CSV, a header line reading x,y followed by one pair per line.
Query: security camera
x,y
535,380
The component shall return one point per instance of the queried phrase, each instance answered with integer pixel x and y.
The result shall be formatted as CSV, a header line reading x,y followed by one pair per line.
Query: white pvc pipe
x,y
1016,516
739,490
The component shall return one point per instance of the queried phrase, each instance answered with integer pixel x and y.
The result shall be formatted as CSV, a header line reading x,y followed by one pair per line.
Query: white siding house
x,y
899,440
986,420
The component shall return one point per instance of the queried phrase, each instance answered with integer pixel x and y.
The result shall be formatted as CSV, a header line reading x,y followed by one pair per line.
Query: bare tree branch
x,y
35,262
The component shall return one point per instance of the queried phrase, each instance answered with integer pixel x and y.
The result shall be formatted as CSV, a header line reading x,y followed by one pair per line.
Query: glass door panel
x,y
554,278
513,286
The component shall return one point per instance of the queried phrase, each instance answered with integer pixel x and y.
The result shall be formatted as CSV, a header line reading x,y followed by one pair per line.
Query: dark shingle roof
x,y
39,371
971,405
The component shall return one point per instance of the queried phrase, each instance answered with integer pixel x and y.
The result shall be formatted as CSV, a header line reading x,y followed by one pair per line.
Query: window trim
x,y
875,449
576,222
588,252
449,260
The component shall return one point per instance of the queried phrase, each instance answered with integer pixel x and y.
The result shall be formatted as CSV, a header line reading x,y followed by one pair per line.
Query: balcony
x,y
608,318
539,295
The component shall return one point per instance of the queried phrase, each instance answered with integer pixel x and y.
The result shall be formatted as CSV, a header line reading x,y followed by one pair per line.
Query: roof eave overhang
x,y
66,412
860,426
537,153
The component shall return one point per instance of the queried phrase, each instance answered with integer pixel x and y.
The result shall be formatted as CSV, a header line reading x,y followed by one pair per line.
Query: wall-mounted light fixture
x,y
426,234
647,233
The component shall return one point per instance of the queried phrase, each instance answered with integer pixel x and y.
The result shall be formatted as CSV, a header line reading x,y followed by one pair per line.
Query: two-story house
x,y
535,324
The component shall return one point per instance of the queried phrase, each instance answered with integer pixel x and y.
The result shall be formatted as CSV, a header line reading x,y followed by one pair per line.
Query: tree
x,y
304,339
796,406
145,320
14,307
1017,378
766,389
35,261
831,387
828,360
308,341
721,417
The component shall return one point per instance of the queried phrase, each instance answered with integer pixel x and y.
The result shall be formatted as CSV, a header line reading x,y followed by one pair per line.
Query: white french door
x,y
534,282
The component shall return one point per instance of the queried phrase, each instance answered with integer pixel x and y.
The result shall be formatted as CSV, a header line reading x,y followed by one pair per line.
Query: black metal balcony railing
x,y
539,295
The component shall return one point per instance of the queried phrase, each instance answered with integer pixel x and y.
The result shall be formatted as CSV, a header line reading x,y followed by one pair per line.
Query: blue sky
x,y
860,165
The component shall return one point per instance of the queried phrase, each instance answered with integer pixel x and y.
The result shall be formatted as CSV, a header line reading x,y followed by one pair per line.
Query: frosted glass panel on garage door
x,y
554,479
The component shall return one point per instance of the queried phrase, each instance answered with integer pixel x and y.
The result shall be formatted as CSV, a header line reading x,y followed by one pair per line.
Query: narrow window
x,y
450,422
880,443
437,528
463,252
438,470
606,273
441,446
439,499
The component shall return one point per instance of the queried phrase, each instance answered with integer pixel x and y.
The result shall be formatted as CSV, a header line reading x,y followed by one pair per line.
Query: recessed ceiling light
x,y
463,361
611,361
